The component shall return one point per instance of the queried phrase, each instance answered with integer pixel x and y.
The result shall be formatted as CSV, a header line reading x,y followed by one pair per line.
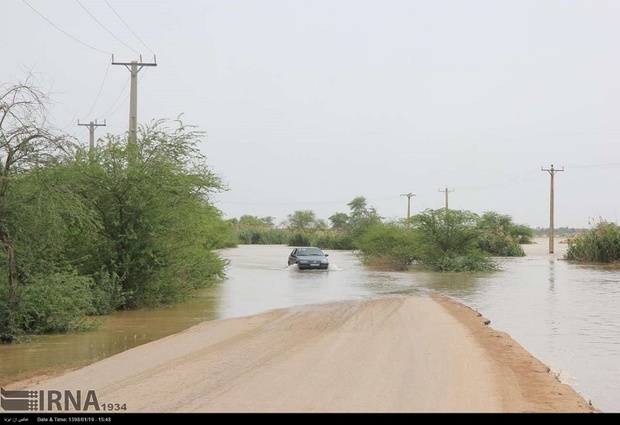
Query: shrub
x,y
450,240
59,302
598,245
387,246
107,293
499,236
262,236
334,240
299,238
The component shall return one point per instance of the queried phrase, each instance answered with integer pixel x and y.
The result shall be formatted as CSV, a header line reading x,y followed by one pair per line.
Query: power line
x,y
104,27
116,100
506,182
63,31
595,166
100,88
109,114
119,17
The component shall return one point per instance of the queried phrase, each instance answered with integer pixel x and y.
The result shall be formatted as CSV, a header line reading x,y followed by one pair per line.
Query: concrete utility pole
x,y
446,191
408,195
134,67
552,172
91,126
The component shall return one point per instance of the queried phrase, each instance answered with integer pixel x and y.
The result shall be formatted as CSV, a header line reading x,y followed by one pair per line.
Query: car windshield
x,y
309,251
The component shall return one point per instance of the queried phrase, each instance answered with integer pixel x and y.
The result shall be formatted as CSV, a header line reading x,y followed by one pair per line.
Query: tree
x,y
303,220
388,245
501,237
449,241
249,229
339,221
26,143
246,221
157,225
361,216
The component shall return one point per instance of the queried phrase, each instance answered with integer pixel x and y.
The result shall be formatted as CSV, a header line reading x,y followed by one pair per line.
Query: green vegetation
x,y
388,246
128,225
450,241
501,237
601,244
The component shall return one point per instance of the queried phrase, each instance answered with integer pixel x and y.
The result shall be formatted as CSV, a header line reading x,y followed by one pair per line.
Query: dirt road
x,y
397,354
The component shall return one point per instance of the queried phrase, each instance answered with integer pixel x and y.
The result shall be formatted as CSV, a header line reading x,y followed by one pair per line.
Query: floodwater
x,y
566,315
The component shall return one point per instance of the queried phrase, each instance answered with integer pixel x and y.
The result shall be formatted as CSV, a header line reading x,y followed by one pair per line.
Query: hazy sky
x,y
309,104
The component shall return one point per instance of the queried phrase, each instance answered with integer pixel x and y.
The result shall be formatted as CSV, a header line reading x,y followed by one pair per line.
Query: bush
x,y
598,245
499,236
387,246
450,240
334,240
107,293
262,236
59,302
299,238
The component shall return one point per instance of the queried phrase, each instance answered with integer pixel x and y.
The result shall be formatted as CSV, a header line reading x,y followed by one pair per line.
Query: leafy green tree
x,y
339,221
361,216
388,245
27,143
501,237
304,220
449,241
246,221
44,218
158,228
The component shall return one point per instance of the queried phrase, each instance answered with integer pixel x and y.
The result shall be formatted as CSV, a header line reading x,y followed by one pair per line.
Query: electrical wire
x,y
63,31
124,101
100,89
595,166
117,97
104,27
121,19
521,178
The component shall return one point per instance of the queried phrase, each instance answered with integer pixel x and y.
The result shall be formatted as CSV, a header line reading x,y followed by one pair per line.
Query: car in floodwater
x,y
308,257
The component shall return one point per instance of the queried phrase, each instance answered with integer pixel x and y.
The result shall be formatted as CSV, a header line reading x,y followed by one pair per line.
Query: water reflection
x,y
551,274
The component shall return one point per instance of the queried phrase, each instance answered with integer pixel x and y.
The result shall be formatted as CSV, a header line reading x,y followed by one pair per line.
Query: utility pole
x,y
134,67
408,195
91,126
552,172
446,191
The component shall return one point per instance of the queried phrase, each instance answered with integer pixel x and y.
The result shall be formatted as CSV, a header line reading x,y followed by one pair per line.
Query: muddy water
x,y
566,315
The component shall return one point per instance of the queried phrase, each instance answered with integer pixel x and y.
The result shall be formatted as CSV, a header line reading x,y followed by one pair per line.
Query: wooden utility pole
x,y
408,195
134,67
552,172
446,191
91,127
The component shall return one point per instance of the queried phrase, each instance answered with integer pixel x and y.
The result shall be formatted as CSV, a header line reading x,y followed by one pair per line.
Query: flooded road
x,y
566,315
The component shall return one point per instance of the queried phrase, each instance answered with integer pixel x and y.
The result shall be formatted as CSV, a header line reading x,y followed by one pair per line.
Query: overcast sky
x,y
309,104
